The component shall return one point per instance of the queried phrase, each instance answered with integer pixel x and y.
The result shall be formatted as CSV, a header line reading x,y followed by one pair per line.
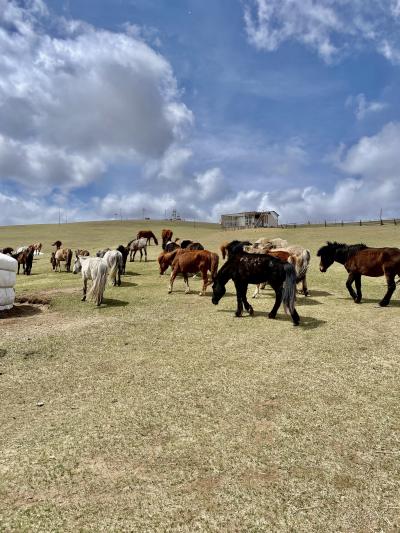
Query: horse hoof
x,y
83,299
271,315
296,323
383,304
238,315
251,311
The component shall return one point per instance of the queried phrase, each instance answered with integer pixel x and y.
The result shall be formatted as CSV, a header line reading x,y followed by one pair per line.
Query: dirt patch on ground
x,y
33,313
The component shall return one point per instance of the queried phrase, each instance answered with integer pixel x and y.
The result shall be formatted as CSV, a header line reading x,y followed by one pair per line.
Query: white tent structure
x,y
8,270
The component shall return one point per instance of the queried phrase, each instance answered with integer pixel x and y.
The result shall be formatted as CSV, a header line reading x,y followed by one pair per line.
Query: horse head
x,y
77,265
327,254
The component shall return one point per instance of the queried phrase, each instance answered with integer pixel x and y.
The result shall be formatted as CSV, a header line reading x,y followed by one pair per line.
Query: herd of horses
x,y
266,261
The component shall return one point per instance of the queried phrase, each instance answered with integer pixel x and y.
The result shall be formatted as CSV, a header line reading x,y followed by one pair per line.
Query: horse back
x,y
374,262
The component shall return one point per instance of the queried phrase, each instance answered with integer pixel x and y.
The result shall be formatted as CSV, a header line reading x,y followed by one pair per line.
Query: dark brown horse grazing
x,y
360,260
25,258
57,244
7,250
144,234
189,262
166,235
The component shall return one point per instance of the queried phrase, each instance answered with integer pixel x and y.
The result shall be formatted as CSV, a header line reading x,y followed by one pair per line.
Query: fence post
x,y
395,222
342,224
360,223
325,223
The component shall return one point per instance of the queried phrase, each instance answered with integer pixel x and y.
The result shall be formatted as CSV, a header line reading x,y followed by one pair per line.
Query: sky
x,y
134,108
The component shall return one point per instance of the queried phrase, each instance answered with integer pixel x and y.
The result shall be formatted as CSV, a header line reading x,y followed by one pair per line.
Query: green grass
x,y
165,413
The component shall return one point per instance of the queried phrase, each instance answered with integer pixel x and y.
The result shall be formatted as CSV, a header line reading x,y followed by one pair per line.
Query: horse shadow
x,y
320,293
306,300
112,302
393,302
128,284
306,322
131,274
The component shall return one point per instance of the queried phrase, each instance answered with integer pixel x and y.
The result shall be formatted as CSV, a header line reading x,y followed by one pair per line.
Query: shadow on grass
x,y
393,301
128,284
306,322
320,293
306,300
131,274
20,310
112,302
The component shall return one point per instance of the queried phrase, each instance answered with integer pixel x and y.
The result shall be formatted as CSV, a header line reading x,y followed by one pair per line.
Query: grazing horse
x,y
270,243
62,254
243,268
24,258
298,256
194,246
137,245
125,252
57,244
191,262
84,253
166,235
8,250
171,246
360,260
115,265
37,247
144,234
94,268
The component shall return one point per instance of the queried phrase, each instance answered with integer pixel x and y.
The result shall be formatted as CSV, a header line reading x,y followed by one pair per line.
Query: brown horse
x,y
7,250
166,235
144,234
360,260
25,258
57,244
37,247
62,254
193,261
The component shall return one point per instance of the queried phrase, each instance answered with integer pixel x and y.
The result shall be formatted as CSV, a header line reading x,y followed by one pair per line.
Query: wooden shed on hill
x,y
250,219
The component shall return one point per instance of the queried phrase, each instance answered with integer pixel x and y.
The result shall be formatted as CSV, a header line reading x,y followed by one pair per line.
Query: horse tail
x,y
223,250
130,242
114,267
303,264
69,259
155,239
289,289
99,284
214,265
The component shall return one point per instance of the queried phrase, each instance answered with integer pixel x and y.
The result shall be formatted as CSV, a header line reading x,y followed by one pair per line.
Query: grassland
x,y
164,413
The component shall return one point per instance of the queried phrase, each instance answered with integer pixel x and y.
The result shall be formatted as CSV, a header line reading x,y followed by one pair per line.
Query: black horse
x,y
243,268
125,252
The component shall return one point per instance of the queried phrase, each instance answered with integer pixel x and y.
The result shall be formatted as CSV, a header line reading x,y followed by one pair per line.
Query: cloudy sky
x,y
212,106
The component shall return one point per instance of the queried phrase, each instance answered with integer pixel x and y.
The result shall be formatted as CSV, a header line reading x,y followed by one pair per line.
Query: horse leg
x,y
172,279
358,288
145,253
204,275
305,287
119,277
239,310
349,284
278,300
84,289
130,256
247,306
257,291
141,253
391,287
186,280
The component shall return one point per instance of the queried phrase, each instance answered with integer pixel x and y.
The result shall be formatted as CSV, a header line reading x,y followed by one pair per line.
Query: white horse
x,y
96,269
137,245
115,264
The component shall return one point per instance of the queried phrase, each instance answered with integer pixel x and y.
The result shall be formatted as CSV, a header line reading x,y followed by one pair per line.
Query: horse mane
x,y
236,247
345,250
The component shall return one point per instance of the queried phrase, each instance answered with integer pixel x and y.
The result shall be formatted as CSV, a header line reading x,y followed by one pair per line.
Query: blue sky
x,y
111,106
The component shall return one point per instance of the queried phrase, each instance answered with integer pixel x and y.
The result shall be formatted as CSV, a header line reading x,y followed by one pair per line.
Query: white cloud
x,y
330,27
74,103
363,107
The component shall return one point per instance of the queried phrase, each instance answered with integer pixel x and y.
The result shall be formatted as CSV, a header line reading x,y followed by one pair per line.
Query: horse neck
x,y
342,254
224,274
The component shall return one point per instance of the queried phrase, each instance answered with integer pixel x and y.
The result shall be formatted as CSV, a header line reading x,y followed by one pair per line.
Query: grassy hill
x,y
165,413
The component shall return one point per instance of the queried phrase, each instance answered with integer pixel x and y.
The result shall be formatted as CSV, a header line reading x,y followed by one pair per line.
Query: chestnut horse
x,y
144,234
193,261
84,253
166,235
360,260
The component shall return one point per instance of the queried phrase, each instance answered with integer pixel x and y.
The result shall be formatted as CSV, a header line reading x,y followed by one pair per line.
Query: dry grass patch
x,y
161,412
